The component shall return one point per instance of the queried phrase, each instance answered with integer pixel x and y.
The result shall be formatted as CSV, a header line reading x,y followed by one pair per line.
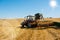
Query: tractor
x,y
29,22
35,21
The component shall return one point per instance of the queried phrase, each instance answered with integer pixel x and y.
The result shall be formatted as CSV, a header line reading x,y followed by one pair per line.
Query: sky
x,y
22,8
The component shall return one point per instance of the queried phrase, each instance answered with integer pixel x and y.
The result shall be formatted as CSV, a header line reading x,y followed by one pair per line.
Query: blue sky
x,y
22,8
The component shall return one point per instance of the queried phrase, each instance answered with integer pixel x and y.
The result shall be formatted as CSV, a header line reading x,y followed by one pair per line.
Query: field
x,y
10,30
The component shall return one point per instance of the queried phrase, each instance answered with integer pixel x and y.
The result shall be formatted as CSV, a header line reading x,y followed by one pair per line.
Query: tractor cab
x,y
29,17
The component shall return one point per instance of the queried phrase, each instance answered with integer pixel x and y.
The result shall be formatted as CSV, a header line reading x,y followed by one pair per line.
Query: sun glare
x,y
53,3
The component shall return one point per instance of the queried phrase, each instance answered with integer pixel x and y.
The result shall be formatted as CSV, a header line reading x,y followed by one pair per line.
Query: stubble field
x,y
10,30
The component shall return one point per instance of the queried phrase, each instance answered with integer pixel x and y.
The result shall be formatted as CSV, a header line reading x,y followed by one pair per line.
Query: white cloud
x,y
53,3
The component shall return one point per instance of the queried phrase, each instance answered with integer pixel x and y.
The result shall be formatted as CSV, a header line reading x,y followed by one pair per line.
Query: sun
x,y
53,3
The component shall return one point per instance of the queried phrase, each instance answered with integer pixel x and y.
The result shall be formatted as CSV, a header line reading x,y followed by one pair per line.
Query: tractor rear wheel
x,y
29,25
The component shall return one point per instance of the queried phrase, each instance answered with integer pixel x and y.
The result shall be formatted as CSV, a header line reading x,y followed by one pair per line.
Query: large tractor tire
x,y
29,25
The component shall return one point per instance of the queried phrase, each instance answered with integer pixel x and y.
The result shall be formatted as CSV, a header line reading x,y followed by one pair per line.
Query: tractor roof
x,y
30,16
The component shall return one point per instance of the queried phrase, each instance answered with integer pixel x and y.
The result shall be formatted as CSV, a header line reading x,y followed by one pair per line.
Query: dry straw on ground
x,y
10,30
